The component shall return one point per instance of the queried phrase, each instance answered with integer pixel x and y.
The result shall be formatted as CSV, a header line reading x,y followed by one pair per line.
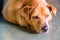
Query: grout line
x,y
56,33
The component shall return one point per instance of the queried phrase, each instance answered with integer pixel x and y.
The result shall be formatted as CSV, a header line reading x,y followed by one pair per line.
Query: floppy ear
x,y
52,9
25,11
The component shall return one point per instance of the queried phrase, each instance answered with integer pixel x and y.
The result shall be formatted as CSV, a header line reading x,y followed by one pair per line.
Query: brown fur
x,y
24,12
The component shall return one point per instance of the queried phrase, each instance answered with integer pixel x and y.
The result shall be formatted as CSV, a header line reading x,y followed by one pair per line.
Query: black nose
x,y
45,28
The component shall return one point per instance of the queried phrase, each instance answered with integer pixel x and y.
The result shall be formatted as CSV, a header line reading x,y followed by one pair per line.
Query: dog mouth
x,y
43,29
31,29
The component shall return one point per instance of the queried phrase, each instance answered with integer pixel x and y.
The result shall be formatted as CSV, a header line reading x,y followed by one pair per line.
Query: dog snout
x,y
44,28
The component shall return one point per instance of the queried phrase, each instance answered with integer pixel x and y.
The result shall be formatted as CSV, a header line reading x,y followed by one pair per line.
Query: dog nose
x,y
45,28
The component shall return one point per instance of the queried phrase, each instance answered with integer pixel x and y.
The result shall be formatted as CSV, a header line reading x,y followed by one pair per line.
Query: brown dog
x,y
33,14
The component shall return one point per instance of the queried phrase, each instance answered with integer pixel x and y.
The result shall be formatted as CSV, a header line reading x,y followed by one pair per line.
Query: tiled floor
x,y
12,32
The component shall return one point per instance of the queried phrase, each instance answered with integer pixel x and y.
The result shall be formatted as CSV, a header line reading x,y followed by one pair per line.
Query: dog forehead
x,y
38,2
44,10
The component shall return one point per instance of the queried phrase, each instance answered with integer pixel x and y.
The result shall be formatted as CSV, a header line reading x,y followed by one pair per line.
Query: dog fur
x,y
32,14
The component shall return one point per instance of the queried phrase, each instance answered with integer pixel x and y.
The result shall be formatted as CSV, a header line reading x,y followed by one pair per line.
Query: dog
x,y
31,14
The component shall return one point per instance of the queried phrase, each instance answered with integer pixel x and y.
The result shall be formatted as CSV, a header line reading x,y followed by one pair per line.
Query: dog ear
x,y
52,9
25,11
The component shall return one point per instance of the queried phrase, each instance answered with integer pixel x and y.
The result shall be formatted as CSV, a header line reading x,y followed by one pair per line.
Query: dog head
x,y
37,14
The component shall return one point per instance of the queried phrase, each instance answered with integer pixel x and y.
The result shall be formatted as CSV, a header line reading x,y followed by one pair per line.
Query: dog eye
x,y
47,16
35,17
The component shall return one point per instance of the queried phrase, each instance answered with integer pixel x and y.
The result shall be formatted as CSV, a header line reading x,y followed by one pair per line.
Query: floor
x,y
12,32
